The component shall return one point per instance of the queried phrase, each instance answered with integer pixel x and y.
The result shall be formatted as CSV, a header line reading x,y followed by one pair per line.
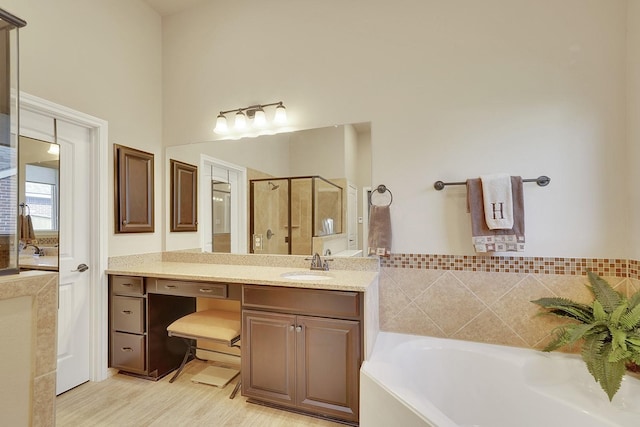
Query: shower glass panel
x,y
221,216
9,125
327,208
287,213
301,214
270,216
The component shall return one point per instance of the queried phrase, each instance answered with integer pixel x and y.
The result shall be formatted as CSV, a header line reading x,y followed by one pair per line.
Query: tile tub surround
x,y
486,299
42,288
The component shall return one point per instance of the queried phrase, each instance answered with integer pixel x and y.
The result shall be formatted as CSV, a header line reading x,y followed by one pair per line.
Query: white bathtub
x,y
422,381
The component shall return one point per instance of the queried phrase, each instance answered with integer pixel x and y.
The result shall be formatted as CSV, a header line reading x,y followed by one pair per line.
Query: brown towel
x,y
25,228
380,231
486,240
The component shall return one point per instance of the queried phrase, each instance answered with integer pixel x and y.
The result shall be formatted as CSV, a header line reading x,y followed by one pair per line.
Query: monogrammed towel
x,y
498,201
505,240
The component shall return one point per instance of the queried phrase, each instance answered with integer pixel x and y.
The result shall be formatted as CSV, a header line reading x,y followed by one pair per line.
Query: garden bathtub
x,y
422,381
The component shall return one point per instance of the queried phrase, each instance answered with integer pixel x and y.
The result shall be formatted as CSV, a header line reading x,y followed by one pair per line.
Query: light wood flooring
x,y
123,400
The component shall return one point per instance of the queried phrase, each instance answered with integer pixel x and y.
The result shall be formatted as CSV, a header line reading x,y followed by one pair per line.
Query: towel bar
x,y
542,181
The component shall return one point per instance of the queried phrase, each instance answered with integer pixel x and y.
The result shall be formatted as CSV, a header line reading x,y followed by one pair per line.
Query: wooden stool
x,y
217,326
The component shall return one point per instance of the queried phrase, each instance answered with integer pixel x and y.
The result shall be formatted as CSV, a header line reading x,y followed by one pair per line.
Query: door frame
x,y
204,202
98,223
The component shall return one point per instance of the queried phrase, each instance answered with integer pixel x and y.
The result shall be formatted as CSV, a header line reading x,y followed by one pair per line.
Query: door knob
x,y
81,268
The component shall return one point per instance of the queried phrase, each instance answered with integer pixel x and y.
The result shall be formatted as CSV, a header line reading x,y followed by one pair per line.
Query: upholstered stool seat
x,y
218,326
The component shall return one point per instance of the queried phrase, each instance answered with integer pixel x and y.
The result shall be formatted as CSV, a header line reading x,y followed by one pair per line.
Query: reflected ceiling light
x,y
251,116
54,149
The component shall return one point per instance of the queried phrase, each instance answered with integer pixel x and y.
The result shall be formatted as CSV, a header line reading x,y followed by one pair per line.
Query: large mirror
x,y
38,195
264,174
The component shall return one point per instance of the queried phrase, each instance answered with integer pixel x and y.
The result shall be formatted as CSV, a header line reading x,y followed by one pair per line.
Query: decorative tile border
x,y
507,264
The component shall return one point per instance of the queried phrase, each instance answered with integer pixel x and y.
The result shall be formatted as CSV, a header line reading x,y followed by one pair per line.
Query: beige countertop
x,y
345,280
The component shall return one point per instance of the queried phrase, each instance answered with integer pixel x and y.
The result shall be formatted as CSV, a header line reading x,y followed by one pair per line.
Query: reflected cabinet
x,y
133,190
184,196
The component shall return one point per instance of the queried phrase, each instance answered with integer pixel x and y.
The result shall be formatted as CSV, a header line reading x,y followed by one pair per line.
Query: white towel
x,y
498,201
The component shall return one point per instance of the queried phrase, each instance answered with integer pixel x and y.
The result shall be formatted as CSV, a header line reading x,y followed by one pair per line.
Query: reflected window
x,y
41,195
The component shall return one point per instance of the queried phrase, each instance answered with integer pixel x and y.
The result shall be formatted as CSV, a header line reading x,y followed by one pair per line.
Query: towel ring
x,y
381,189
26,210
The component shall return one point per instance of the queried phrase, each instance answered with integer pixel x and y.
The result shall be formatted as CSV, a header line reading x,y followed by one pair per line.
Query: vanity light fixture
x,y
251,116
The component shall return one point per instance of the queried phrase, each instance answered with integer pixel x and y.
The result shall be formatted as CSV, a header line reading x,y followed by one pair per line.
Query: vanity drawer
x,y
127,351
127,285
312,302
189,289
127,314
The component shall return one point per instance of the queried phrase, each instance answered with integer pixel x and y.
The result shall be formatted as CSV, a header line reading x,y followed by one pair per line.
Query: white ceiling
x,y
169,7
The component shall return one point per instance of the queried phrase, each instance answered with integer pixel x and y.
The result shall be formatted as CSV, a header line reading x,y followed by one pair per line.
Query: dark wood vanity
x,y
301,348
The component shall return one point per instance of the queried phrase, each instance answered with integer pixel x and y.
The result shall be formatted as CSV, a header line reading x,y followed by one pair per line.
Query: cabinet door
x,y
328,363
268,356
184,196
134,190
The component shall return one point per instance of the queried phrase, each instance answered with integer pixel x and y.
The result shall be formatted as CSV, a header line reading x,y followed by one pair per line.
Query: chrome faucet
x,y
38,251
317,263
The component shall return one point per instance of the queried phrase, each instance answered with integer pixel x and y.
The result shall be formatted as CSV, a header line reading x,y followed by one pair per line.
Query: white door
x,y
74,250
352,217
74,240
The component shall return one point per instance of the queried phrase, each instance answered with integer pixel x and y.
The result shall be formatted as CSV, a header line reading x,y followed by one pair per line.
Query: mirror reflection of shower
x,y
221,216
287,221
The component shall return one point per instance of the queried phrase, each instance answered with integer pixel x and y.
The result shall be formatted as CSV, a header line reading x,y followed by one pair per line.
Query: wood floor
x,y
123,400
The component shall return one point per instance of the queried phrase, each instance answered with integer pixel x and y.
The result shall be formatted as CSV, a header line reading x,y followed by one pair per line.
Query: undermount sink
x,y
307,275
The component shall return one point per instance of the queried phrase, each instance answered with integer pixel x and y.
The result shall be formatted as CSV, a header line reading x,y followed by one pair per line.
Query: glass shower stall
x,y
287,213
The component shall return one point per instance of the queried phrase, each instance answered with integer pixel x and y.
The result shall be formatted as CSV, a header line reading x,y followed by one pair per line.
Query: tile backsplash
x,y
487,299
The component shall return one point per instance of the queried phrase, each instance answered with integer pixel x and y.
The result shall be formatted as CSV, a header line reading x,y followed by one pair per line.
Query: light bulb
x,y
259,118
54,149
221,124
241,120
281,115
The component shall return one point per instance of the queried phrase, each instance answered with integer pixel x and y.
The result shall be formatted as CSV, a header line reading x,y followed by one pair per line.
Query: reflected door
x,y
221,216
270,216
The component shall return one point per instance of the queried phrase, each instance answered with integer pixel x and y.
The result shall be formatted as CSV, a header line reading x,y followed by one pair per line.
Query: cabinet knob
x,y
124,222
127,311
291,328
298,328
126,349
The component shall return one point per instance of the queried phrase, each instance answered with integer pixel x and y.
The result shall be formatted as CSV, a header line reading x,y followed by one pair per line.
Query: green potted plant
x,y
608,329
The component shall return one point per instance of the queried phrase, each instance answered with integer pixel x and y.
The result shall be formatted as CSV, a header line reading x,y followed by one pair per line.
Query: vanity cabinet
x,y
133,190
138,320
302,349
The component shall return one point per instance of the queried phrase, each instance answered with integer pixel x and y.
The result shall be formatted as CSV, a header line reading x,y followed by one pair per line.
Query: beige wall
x,y
633,122
102,58
453,90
